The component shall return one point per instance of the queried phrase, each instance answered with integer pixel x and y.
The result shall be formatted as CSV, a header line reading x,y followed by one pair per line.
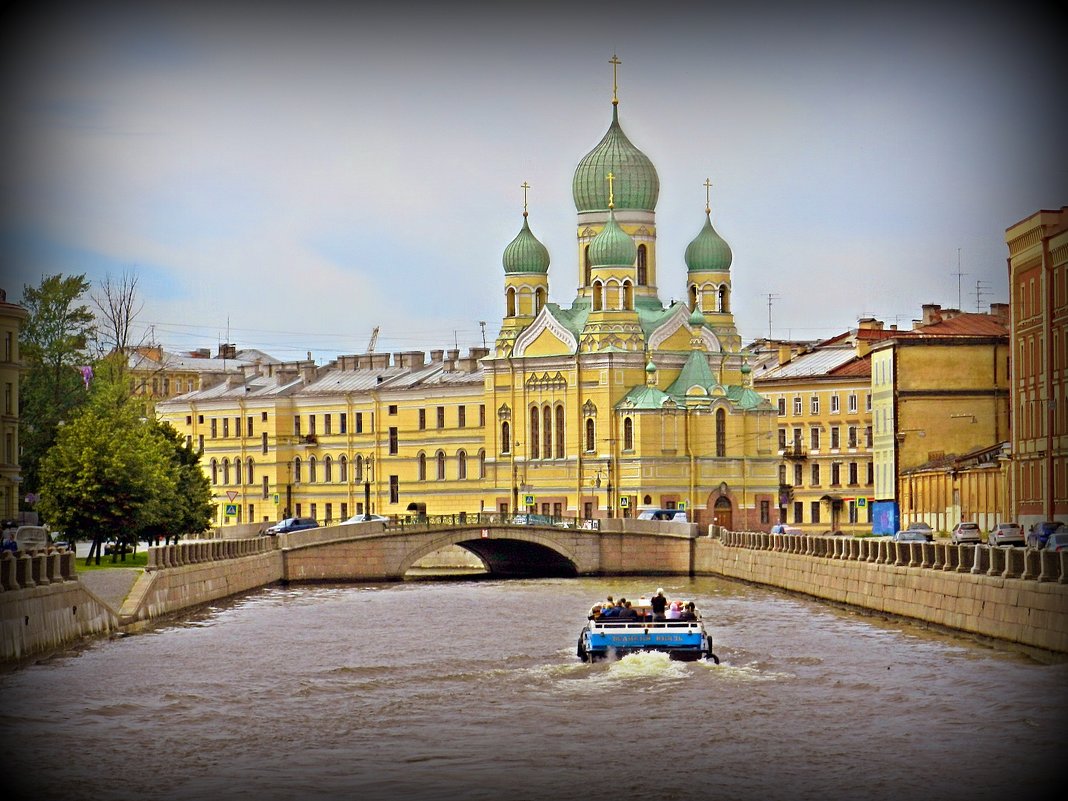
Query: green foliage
x,y
53,343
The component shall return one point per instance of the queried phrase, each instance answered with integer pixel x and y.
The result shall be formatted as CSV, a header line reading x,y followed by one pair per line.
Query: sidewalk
x,y
110,586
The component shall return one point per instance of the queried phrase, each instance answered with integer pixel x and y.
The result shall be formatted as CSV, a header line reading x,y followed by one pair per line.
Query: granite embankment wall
x,y
1011,594
44,607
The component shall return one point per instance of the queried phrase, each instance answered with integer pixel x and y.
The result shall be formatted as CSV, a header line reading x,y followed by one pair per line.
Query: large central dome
x,y
636,185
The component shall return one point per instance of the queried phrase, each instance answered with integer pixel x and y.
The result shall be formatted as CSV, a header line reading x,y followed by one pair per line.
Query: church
x,y
604,408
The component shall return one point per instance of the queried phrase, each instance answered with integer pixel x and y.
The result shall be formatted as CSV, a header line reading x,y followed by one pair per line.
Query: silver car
x,y
1006,534
964,531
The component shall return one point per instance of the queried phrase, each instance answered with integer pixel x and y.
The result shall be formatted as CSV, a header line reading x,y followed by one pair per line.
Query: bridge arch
x,y
507,553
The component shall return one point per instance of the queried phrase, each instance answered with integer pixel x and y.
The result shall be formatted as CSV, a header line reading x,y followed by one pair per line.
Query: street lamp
x,y
367,467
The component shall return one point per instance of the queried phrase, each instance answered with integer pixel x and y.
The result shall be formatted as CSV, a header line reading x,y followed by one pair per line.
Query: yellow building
x,y
939,390
612,405
1038,282
947,489
822,394
11,318
156,374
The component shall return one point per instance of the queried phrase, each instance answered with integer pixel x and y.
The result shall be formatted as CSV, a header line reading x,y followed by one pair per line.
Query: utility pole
x,y
482,325
959,275
980,290
771,299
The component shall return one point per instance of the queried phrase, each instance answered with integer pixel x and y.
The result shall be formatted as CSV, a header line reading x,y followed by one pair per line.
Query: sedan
x,y
919,525
365,519
1040,532
910,535
1058,541
1005,534
964,531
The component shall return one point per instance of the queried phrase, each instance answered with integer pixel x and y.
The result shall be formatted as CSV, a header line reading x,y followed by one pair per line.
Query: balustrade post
x,y
964,558
997,560
1062,559
1047,565
1013,563
8,571
1030,570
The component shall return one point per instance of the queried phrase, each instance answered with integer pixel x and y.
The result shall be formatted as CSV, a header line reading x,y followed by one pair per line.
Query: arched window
x,y
311,470
482,464
441,465
506,437
461,465
724,299
643,266
598,296
721,432
510,300
591,435
422,466
328,469
359,467
693,296
214,472
296,469
586,267
539,299
250,476
343,469
559,432
547,432
534,437
628,434
226,471
628,295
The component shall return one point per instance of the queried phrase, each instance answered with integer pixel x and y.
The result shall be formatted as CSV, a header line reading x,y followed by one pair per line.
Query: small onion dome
x,y
746,369
612,247
650,368
708,251
525,254
696,318
636,183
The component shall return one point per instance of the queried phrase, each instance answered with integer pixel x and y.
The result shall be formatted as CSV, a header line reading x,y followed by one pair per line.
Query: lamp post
x,y
367,467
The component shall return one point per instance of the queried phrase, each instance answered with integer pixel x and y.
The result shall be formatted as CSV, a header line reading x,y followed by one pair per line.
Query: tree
x,y
54,344
188,510
117,307
109,473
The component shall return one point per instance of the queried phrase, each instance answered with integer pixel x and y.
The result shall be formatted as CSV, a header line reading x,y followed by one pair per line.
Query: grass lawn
x,y
139,559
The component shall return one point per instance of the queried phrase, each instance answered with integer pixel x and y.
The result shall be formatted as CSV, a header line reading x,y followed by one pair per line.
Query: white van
x,y
32,538
676,515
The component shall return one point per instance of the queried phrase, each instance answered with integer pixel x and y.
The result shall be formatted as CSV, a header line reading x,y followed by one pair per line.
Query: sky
x,y
290,176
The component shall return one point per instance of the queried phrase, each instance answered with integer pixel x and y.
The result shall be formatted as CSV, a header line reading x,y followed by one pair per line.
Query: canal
x,y
471,689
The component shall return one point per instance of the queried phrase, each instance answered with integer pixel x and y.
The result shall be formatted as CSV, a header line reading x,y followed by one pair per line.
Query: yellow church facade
x,y
612,405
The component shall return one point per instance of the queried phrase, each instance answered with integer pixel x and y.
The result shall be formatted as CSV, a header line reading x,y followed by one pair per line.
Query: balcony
x,y
794,450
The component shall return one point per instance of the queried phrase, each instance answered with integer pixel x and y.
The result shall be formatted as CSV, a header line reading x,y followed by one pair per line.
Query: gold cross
x,y
708,186
615,62
525,186
611,196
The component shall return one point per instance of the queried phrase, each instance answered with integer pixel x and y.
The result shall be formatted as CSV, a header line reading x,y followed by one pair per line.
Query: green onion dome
x,y
746,369
636,183
525,254
612,247
650,368
708,251
697,319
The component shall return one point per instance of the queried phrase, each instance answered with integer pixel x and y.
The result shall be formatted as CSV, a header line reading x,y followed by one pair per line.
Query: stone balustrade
x,y
1027,564
35,568
196,552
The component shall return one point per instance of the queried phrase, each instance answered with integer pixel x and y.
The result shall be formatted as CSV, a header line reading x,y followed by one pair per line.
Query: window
x,y
344,511
266,486
797,438
834,404
393,441
814,404
461,465
482,415
851,404
836,474
441,465
867,402
441,417
296,470
815,475
200,443
359,422
226,427
327,427
534,435
643,265
343,469
853,473
214,472
248,426
461,416
421,461
296,424
226,471
547,433
311,425
628,434
343,423
359,469
394,489
506,438
782,474
214,428
835,438
765,512
814,510
559,432
591,435
871,473
263,442
315,511
312,472
328,470
782,407
422,419
392,409
237,426
481,464
852,436
250,477
814,438
329,512
797,475
867,437
797,406
782,439
798,511
721,433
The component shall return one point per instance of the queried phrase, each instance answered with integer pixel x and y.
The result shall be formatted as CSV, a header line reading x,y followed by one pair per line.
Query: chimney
x,y
379,361
869,324
435,356
932,313
227,351
1000,311
785,353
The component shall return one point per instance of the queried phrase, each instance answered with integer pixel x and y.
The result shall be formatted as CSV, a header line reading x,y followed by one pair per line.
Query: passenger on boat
x,y
674,612
613,611
689,612
627,612
595,613
658,604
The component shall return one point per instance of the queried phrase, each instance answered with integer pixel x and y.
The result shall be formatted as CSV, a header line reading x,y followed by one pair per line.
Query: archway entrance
x,y
723,512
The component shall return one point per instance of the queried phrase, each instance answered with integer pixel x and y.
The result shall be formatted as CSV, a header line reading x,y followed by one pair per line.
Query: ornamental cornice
x,y
543,322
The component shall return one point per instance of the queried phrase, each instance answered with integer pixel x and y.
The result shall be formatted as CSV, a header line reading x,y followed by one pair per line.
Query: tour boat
x,y
614,638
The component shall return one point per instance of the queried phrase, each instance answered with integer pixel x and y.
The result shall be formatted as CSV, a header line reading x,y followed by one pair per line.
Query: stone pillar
x,y
67,567
997,561
979,559
952,556
964,558
1031,564
939,556
1014,563
55,571
8,571
1048,565
24,570
915,553
1062,558
927,552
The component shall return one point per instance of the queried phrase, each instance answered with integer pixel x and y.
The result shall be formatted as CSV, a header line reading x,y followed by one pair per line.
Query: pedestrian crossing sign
x,y
231,510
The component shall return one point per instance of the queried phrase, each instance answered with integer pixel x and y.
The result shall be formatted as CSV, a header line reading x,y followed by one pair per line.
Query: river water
x,y
471,690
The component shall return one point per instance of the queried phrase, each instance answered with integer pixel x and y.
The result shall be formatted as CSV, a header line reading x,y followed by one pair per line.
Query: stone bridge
x,y
379,552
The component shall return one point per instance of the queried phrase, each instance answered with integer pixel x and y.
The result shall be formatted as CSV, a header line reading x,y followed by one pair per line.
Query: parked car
x,y
365,519
292,524
1040,532
530,519
677,515
964,531
1005,534
32,538
919,525
1058,541
910,535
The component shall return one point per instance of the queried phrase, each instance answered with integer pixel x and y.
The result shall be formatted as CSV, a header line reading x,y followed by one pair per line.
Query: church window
x,y
591,436
312,472
587,268
506,438
547,432
422,466
510,299
441,465
628,295
539,299
461,465
721,432
643,266
328,469
226,471
296,469
534,436
559,432
250,477
693,297
343,469
481,464
628,434
214,472
598,297
724,304
359,468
